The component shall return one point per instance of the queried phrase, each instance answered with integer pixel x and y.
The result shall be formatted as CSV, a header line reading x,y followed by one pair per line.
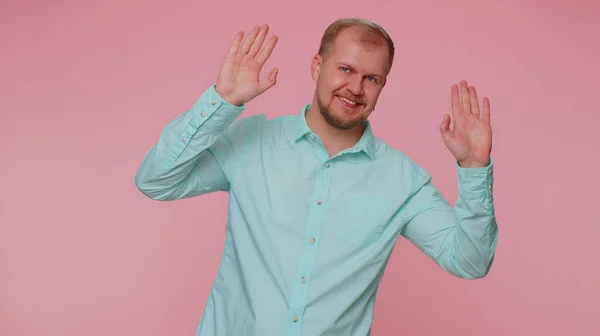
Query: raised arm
x,y
199,151
462,239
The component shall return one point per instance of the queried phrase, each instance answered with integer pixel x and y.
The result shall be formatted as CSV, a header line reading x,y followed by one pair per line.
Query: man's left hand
x,y
470,139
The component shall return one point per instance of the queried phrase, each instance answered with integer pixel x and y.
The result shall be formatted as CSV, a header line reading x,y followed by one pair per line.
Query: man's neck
x,y
334,139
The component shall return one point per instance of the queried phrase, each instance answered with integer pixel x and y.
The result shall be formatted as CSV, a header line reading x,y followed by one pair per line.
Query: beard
x,y
334,121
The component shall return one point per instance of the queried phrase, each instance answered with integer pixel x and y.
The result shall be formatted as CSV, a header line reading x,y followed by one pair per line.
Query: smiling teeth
x,y
348,101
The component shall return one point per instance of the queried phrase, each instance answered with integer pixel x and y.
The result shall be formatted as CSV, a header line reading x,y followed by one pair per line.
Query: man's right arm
x,y
196,153
200,151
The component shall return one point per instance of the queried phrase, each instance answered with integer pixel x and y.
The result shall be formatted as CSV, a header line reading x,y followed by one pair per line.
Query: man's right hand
x,y
238,80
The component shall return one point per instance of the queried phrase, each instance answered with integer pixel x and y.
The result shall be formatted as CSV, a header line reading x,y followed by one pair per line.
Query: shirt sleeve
x,y
461,239
196,153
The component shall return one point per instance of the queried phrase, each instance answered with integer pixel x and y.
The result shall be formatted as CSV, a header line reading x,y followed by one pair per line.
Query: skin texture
x,y
355,70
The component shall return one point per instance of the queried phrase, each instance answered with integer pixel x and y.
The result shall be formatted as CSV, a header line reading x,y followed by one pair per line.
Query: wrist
x,y
472,164
228,98
233,101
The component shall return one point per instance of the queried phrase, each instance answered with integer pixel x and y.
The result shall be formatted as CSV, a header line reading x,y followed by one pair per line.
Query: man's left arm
x,y
461,239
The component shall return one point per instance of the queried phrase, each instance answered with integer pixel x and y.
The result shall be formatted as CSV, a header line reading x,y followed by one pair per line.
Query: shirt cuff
x,y
476,183
210,115
208,104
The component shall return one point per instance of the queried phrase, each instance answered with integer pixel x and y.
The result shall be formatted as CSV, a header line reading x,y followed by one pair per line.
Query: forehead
x,y
356,51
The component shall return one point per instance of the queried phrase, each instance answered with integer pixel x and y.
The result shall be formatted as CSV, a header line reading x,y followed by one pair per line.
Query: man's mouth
x,y
348,102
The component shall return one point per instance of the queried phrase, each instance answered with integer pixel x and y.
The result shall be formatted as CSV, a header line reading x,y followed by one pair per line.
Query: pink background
x,y
85,89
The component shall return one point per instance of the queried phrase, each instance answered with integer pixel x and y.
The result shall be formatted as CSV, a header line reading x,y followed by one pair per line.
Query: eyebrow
x,y
346,65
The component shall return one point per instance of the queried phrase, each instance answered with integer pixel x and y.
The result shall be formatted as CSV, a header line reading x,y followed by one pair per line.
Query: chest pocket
x,y
361,219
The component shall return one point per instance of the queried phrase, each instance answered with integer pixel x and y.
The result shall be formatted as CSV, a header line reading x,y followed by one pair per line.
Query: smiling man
x,y
350,69
317,201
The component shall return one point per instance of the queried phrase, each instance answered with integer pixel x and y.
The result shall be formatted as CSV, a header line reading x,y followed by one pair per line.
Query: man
x,y
316,200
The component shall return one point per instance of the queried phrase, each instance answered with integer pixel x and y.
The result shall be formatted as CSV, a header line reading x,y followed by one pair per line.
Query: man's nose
x,y
355,85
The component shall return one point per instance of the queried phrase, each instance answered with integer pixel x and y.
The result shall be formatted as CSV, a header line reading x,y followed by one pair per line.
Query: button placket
x,y
309,249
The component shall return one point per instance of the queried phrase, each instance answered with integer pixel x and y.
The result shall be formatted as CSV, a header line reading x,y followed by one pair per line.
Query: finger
x,y
455,101
445,125
445,128
486,109
236,43
464,96
258,41
268,82
249,40
474,101
266,52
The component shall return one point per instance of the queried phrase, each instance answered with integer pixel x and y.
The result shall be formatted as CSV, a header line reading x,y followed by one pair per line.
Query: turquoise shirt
x,y
308,236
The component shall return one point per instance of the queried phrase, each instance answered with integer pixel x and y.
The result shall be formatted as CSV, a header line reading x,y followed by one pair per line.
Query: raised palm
x,y
470,140
239,78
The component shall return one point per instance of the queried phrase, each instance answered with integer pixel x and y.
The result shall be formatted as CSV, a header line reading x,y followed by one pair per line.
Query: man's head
x,y
351,68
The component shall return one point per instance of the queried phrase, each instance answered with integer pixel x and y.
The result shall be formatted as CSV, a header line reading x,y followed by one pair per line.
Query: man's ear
x,y
315,66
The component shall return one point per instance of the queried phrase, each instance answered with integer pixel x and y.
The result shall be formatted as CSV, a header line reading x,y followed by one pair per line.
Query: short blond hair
x,y
367,32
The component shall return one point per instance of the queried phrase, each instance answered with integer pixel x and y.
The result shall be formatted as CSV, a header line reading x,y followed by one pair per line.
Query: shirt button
x,y
311,240
319,202
294,318
183,139
203,114
303,279
327,165
214,102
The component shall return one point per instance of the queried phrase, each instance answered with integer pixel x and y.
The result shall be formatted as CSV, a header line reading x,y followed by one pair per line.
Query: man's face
x,y
349,80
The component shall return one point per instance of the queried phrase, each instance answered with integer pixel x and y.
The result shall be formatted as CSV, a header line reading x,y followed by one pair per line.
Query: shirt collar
x,y
366,143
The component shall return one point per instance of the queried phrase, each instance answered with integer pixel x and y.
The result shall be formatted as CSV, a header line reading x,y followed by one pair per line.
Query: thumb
x,y
445,128
268,82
